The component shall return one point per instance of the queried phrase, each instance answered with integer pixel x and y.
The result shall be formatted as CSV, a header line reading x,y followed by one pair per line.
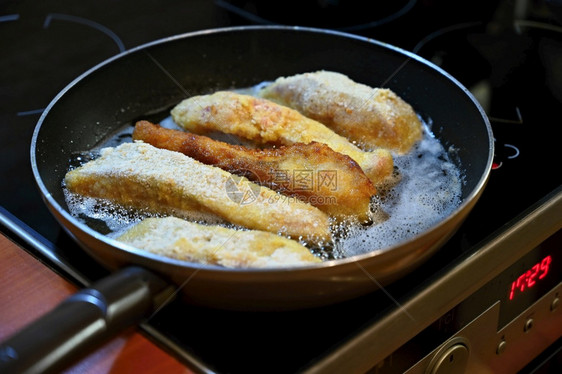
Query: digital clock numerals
x,y
529,278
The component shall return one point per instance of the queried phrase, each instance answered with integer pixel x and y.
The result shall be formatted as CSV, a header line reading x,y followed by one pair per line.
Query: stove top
x,y
507,53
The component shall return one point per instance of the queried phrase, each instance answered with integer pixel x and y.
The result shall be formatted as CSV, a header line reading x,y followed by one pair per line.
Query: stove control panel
x,y
499,328
480,348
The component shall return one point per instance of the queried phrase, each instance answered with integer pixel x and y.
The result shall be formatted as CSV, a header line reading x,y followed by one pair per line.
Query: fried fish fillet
x,y
312,172
216,245
142,176
266,122
372,117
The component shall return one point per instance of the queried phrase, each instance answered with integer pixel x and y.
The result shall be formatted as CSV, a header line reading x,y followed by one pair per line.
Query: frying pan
x,y
153,78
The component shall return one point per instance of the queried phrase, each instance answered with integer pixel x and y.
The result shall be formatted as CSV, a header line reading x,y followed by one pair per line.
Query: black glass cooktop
x,y
508,53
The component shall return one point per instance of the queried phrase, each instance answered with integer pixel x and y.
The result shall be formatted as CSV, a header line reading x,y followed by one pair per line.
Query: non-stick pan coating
x,y
153,78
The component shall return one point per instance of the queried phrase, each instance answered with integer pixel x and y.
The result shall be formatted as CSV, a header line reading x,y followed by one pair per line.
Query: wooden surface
x,y
29,289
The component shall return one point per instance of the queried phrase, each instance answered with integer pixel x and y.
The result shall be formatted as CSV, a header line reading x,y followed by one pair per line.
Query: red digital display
x,y
529,278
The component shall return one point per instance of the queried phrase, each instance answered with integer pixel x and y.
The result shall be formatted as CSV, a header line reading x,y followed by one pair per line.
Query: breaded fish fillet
x,y
146,177
216,245
266,122
313,172
372,117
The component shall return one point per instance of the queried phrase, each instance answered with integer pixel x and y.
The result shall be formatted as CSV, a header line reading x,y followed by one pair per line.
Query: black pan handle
x,y
83,321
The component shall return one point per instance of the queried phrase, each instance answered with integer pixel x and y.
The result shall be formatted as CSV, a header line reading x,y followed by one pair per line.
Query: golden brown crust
x,y
216,245
266,122
372,117
162,181
312,172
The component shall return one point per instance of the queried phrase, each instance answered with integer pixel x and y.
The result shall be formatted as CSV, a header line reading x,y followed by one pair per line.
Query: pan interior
x,y
145,83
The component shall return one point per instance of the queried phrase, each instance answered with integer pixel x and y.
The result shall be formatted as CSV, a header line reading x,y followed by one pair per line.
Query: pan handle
x,y
83,321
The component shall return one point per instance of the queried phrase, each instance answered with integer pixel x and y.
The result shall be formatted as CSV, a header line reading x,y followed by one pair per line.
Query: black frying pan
x,y
153,78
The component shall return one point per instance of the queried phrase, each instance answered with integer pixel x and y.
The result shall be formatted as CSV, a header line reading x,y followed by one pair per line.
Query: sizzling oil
x,y
427,190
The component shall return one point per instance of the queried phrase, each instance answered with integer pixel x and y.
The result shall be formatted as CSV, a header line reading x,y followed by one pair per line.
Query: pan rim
x,y
394,249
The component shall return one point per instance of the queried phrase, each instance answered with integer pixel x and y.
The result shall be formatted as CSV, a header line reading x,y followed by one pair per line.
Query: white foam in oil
x,y
429,190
